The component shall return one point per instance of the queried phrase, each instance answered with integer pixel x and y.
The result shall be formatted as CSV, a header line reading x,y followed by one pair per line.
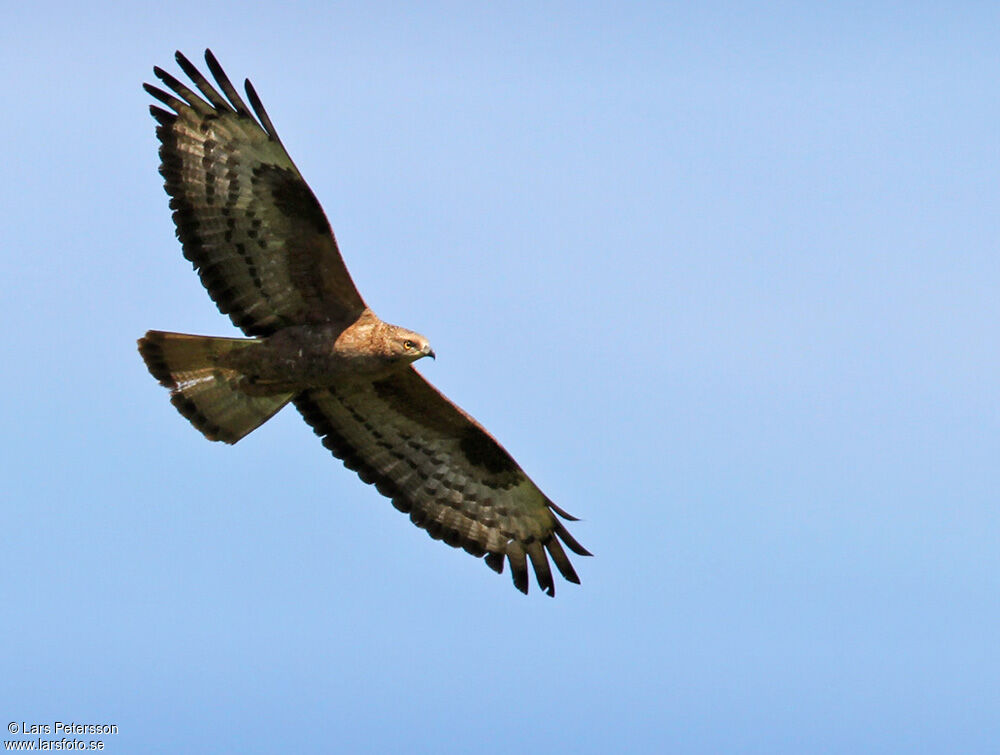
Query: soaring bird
x,y
267,256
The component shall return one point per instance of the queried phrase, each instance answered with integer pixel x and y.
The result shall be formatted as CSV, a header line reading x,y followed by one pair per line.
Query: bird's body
x,y
265,251
322,355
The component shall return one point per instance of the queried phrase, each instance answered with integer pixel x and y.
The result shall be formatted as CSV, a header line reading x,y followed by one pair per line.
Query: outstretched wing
x,y
245,216
439,465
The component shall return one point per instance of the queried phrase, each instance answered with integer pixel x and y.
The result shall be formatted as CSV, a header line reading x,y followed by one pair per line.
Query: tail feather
x,y
207,394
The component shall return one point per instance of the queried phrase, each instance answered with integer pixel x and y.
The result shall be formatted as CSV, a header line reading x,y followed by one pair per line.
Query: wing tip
x,y
217,71
163,117
570,541
518,561
561,511
211,59
258,108
494,560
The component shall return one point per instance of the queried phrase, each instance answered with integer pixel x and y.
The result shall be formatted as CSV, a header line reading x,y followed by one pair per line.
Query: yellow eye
x,y
408,345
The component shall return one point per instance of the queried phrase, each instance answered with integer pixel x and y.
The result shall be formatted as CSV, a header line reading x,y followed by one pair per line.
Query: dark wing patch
x,y
483,451
439,465
246,218
291,196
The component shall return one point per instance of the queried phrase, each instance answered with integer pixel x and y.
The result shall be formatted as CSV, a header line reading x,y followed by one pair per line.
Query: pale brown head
x,y
407,346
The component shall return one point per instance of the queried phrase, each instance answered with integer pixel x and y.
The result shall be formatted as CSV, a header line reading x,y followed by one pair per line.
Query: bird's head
x,y
409,346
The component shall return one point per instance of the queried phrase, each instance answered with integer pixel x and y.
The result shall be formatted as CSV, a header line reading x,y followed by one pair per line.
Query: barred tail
x,y
207,394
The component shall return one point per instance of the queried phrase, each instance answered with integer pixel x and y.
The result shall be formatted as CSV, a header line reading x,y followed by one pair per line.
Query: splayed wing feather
x,y
227,86
258,108
218,102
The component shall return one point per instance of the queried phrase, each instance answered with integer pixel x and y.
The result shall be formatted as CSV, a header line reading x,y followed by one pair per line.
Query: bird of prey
x,y
263,248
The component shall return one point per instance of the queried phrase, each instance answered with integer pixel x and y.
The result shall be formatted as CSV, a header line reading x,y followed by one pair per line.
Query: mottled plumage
x,y
264,250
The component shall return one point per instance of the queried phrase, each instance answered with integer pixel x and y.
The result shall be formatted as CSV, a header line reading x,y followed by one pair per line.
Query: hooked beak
x,y
429,352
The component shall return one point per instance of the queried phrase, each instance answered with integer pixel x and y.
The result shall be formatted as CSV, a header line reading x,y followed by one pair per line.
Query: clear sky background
x,y
723,277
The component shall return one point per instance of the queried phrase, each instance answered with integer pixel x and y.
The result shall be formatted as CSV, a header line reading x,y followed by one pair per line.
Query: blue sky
x,y
722,277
